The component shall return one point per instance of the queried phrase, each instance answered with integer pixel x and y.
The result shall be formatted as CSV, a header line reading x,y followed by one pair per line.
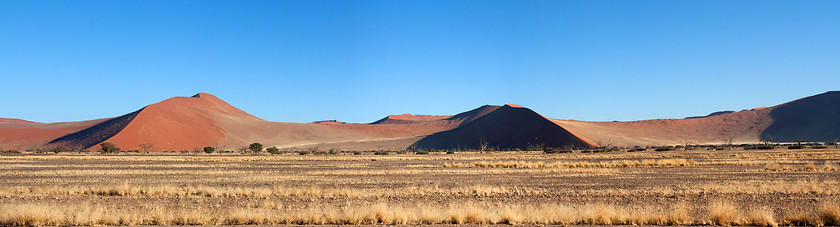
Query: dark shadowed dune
x,y
815,118
506,127
96,134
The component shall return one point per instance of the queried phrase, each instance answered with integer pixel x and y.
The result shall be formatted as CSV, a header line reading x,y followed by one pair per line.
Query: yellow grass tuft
x,y
724,213
761,217
829,213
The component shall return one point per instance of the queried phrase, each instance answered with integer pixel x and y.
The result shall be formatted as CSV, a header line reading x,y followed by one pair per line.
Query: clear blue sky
x,y
357,61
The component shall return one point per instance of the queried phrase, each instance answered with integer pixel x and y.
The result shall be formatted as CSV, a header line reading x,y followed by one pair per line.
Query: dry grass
x,y
578,164
727,213
827,166
720,213
171,191
824,187
26,214
691,188
829,213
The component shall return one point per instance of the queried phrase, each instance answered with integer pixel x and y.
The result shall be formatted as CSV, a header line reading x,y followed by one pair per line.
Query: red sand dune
x,y
815,118
22,135
187,123
14,121
180,123
744,126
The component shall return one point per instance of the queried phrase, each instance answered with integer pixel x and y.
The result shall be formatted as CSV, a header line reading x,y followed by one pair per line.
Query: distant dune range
x,y
188,123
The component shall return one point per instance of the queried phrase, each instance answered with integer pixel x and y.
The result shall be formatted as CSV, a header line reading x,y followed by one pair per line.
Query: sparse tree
x,y
314,150
273,150
482,144
109,148
255,147
728,142
837,143
146,147
37,149
766,140
687,145
209,149
799,143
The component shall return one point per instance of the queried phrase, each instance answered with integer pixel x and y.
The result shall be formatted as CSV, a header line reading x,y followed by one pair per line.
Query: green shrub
x,y
381,153
450,152
209,149
421,152
273,150
255,147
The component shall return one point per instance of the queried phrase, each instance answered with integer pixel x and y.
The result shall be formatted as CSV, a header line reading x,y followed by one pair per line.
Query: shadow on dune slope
x,y
96,134
815,118
506,127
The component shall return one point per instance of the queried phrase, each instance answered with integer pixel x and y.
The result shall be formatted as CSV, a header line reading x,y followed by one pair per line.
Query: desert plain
x,y
677,187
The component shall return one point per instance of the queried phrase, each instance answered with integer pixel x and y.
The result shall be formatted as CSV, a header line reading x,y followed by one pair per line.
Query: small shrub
x,y
303,152
765,147
450,152
795,147
273,150
209,149
421,152
662,149
357,152
109,148
381,153
819,147
59,149
9,152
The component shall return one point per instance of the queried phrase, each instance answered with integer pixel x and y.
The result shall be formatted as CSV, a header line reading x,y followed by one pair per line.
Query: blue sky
x,y
357,61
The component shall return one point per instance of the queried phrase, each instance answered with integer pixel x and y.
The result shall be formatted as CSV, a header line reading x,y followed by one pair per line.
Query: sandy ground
x,y
788,183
